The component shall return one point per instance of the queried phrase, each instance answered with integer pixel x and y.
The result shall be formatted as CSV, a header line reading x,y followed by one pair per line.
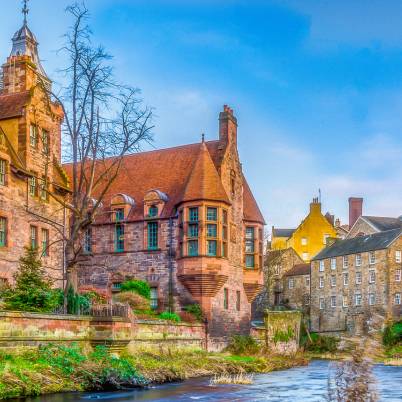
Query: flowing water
x,y
307,383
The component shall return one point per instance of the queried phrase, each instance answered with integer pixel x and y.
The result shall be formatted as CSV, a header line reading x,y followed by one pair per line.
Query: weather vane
x,y
25,10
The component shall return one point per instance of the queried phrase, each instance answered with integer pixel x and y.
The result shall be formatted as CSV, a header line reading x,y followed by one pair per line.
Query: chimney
x,y
227,126
330,218
315,206
355,209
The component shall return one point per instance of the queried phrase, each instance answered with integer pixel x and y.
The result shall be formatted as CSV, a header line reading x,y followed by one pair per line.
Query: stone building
x,y
309,237
30,171
185,220
296,287
356,280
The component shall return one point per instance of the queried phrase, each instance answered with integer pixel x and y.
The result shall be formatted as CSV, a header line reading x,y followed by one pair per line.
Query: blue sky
x,y
315,85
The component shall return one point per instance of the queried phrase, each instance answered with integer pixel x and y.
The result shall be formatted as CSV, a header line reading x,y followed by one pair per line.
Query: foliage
x,y
96,295
243,344
195,310
76,303
394,352
392,334
284,335
32,290
140,287
135,301
320,344
166,315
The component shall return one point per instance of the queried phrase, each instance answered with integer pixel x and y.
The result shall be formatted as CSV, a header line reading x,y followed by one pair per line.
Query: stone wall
x,y
19,329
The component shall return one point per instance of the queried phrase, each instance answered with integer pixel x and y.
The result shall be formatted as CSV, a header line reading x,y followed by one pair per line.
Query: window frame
x,y
3,231
398,256
118,241
397,299
208,217
358,260
3,172
398,275
226,298
152,236
33,236
321,282
238,300
33,136
333,263
45,238
372,257
345,261
45,144
291,281
321,266
321,303
332,303
358,278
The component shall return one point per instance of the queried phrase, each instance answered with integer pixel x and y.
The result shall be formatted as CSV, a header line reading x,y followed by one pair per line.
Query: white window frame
x,y
321,267
344,301
397,299
372,259
358,260
333,301
398,275
398,256
346,282
371,276
333,281
291,283
358,296
345,261
360,276
321,303
333,263
321,282
371,299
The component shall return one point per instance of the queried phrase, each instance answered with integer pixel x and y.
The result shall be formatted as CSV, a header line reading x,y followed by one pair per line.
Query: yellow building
x,y
309,238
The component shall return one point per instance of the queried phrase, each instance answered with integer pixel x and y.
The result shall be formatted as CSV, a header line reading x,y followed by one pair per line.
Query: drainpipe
x,y
170,264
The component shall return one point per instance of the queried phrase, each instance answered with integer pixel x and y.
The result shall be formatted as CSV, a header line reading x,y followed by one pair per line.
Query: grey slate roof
x,y
359,244
383,223
282,232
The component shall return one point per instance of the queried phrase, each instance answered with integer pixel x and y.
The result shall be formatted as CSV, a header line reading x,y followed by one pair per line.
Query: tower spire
x,y
25,10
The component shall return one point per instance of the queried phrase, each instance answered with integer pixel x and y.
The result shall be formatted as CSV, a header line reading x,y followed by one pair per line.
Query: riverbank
x,y
56,369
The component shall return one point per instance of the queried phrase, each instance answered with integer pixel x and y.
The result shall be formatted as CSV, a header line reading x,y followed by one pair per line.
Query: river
x,y
307,383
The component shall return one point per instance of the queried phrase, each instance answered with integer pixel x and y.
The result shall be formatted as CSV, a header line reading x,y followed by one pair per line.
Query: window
x,y
119,214
211,230
225,216
193,214
371,299
33,136
153,211
193,230
249,260
3,171
154,298
238,295
345,261
333,301
322,266
358,260
3,231
397,298
325,238
119,238
372,257
192,248
116,286
34,236
305,256
398,275
291,283
358,278
277,269
307,280
212,214
398,256
333,280
322,303
372,276
45,242
88,241
345,279
211,248
152,235
226,298
333,263
45,142
321,282
358,299
32,186
224,233
344,301
304,241
43,190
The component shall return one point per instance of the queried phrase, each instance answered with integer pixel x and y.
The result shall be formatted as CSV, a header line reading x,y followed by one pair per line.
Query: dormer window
x,y
119,214
153,211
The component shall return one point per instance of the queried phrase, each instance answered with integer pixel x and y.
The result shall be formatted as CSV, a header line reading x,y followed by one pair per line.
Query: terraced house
x,y
356,281
185,220
30,152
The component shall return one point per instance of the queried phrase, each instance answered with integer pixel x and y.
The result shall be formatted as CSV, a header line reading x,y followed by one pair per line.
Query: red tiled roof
x,y
299,269
186,172
12,105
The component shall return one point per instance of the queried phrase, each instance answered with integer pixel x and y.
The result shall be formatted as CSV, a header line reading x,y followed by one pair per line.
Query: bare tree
x,y
103,121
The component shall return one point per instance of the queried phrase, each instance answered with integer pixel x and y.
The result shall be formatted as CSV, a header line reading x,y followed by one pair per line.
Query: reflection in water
x,y
294,385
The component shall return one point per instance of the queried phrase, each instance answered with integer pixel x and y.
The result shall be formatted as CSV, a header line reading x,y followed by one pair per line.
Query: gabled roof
x,y
382,223
282,232
299,269
359,244
251,211
204,182
12,105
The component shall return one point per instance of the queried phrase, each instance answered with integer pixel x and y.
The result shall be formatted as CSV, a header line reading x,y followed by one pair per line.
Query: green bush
x,y
166,315
392,334
320,344
32,290
243,345
140,287
195,310
76,303
283,335
135,301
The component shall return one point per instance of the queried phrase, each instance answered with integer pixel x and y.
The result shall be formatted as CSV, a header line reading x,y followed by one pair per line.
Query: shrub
x,y
320,344
283,335
166,315
243,344
32,290
392,334
140,287
195,310
96,295
135,301
76,303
